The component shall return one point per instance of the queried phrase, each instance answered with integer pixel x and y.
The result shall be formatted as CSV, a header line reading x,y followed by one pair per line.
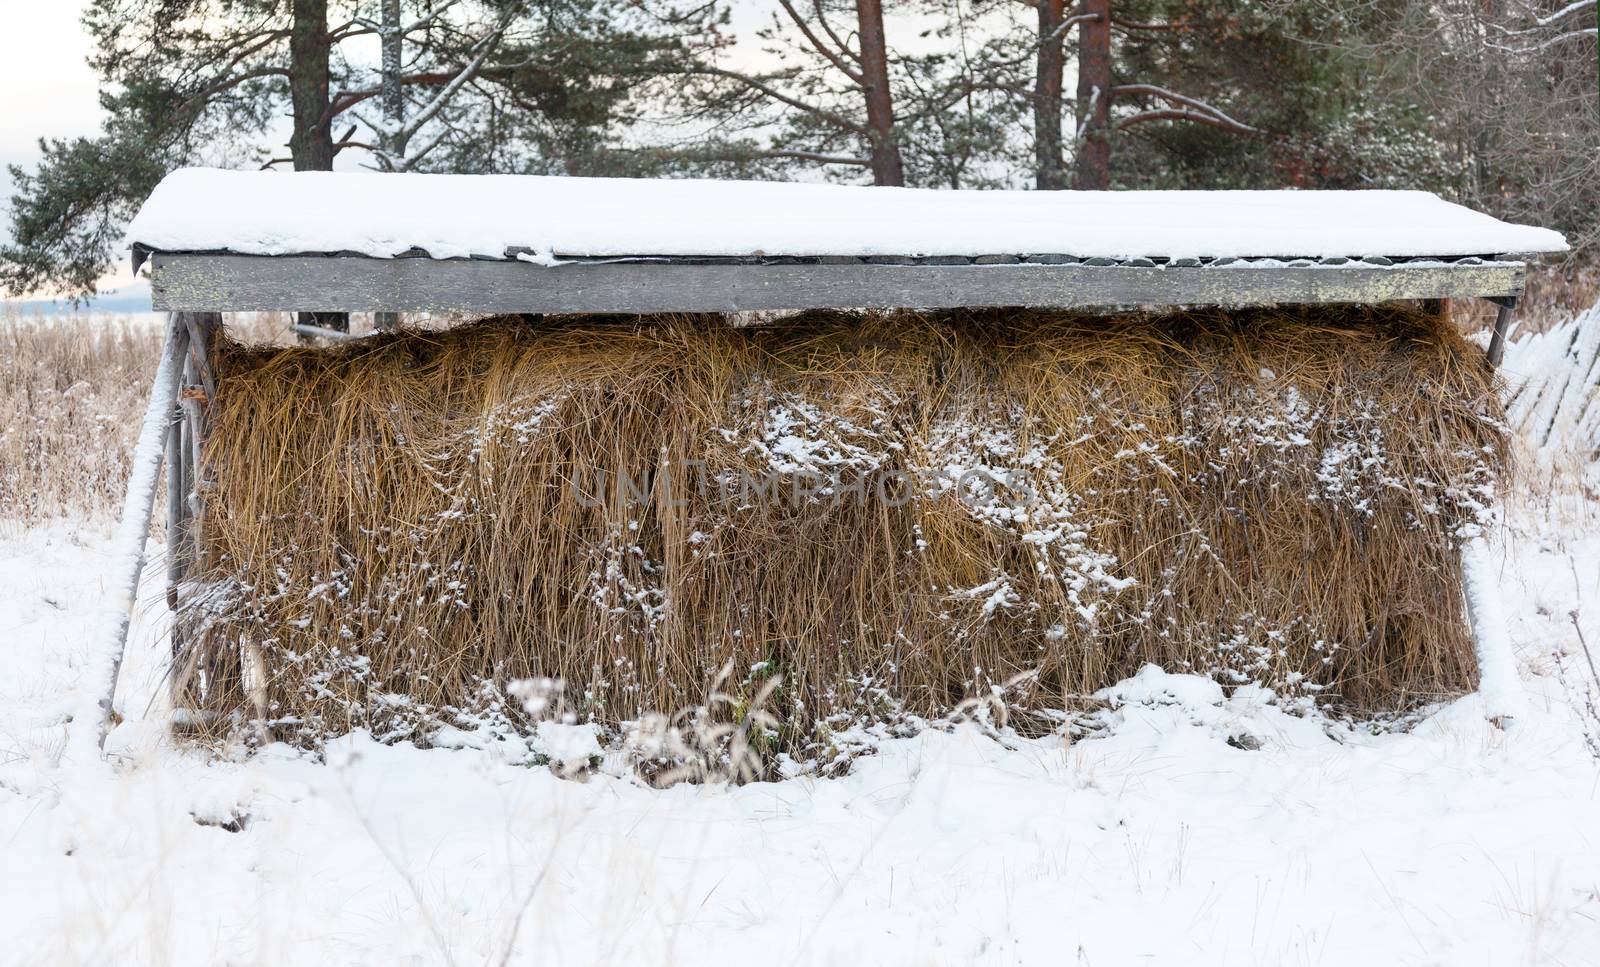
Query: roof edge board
x,y
314,283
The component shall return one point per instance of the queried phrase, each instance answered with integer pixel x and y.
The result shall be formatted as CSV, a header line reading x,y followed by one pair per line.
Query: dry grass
x,y
72,393
403,525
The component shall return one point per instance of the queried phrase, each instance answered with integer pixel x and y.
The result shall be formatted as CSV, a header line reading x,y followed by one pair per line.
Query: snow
x,y
1188,823
1497,669
548,218
1163,837
1554,377
1564,12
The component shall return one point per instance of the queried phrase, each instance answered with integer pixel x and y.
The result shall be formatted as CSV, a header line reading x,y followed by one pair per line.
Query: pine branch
x,y
827,28
370,26
758,85
226,84
827,159
822,48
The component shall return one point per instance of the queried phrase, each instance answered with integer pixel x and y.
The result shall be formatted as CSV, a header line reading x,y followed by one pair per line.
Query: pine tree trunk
x,y
1049,173
886,166
311,143
1093,161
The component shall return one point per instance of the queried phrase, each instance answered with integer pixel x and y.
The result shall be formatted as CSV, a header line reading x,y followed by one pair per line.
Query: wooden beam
x,y
254,283
177,510
187,480
1502,326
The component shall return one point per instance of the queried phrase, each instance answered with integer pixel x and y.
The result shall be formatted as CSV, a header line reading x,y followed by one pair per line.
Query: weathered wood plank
x,y
222,283
202,326
187,478
1502,326
177,509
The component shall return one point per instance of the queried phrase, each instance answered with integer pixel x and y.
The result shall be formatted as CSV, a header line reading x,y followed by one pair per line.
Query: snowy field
x,y
1191,828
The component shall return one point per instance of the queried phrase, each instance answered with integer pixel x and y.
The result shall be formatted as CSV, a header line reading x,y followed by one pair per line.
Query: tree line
x,y
1491,102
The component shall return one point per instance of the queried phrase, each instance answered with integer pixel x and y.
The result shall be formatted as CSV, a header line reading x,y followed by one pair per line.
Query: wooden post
x,y
92,710
1502,325
1498,682
1499,685
186,504
177,487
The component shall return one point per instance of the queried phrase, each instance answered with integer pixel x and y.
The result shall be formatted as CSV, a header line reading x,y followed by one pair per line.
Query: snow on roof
x,y
453,216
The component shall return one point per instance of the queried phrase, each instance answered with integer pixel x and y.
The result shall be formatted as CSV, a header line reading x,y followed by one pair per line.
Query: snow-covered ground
x,y
1159,840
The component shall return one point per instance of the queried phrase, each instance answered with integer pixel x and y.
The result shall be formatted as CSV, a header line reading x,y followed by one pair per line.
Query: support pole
x,y
176,513
1502,325
1498,681
186,539
92,709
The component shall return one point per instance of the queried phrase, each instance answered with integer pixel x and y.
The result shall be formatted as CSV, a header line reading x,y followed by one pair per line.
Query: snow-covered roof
x,y
499,216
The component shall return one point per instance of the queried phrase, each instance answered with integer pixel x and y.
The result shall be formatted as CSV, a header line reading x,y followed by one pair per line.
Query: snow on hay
x,y
402,527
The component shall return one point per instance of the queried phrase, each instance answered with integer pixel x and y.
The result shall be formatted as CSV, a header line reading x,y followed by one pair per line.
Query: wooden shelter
x,y
219,242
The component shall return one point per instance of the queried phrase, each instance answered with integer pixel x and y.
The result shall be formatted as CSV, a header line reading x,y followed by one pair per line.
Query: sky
x,y
51,92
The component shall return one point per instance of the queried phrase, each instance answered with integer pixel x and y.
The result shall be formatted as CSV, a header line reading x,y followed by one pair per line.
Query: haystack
x,y
889,513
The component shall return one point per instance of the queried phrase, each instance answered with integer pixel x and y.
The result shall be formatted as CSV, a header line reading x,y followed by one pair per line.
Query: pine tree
x,y
483,85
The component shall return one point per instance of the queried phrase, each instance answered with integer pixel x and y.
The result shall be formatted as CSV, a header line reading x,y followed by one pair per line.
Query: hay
x,y
890,513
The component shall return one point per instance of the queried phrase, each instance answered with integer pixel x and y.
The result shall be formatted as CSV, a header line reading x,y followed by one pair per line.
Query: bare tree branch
x,y
413,159
1184,114
1549,42
1565,12
1176,98
483,48
1056,35
1083,127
